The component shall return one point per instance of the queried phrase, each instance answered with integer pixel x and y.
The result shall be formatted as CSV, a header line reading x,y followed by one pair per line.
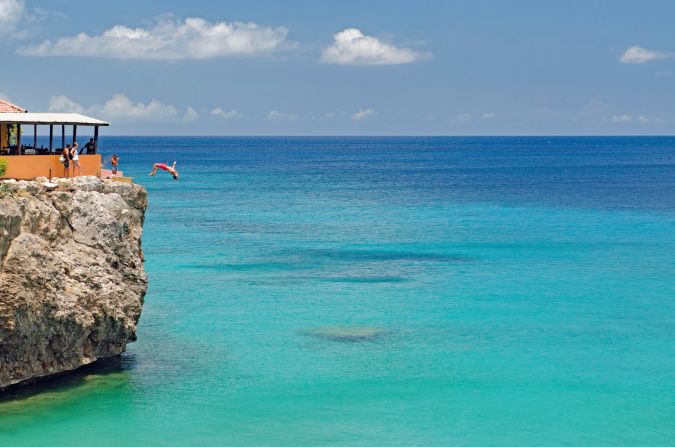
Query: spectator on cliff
x,y
74,156
65,159
90,147
115,161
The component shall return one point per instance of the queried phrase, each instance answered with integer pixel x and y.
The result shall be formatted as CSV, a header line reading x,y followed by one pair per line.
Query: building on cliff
x,y
27,161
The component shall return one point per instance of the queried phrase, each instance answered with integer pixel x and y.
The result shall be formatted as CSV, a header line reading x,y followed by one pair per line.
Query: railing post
x,y
18,139
95,139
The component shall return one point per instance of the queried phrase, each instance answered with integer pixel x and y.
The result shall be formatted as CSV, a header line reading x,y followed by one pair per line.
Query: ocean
x,y
388,292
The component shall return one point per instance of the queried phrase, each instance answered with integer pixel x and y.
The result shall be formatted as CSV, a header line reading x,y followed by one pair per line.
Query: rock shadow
x,y
67,380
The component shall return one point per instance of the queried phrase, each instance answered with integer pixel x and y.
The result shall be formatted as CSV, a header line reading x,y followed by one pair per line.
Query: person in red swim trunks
x,y
165,167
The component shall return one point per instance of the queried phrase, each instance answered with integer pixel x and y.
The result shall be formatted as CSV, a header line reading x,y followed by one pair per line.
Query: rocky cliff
x,y
71,273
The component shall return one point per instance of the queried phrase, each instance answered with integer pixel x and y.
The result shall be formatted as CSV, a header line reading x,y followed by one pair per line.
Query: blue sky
x,y
262,67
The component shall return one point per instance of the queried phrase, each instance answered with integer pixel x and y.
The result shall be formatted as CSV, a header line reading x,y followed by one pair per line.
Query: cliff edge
x,y
72,281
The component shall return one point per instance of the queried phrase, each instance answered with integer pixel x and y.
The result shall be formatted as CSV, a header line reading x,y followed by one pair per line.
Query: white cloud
x,y
11,12
639,55
17,21
363,114
63,104
621,118
487,116
169,39
226,114
121,107
352,47
643,119
190,115
462,118
275,115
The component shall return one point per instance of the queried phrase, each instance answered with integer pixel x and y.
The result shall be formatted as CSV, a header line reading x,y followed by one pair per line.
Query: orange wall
x,y
31,166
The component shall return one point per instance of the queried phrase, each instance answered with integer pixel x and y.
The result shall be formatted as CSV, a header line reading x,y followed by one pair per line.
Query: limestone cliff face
x,y
71,274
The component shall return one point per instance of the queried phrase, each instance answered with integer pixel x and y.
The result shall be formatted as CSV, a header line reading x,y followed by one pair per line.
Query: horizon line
x,y
387,136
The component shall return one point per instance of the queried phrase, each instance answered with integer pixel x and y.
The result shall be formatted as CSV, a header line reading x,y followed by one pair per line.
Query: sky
x,y
349,67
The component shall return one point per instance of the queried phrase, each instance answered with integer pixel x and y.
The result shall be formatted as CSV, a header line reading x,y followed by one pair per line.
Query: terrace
x,y
26,159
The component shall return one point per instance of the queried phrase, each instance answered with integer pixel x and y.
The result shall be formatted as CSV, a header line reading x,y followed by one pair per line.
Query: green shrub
x,y
13,132
3,166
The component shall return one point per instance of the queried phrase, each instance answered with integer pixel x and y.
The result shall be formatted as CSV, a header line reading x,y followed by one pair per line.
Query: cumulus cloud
x,y
639,55
169,39
487,116
190,115
121,107
226,114
643,119
63,104
621,118
275,115
11,12
352,47
462,118
362,114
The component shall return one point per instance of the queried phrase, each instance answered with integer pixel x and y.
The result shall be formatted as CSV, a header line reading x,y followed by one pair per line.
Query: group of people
x,y
70,154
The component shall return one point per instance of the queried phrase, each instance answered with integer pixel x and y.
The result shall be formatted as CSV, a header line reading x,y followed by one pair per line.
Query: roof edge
x,y
51,118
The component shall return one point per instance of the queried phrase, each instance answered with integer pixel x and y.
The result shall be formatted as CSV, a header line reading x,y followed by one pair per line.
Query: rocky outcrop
x,y
71,273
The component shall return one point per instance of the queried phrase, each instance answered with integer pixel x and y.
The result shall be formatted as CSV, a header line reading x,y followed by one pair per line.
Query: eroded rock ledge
x,y
72,281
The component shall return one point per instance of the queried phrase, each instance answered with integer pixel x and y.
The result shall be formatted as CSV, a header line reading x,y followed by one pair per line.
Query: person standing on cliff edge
x,y
114,162
65,159
74,156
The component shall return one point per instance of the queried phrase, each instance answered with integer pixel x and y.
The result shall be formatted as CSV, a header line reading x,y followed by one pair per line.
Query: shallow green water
x,y
522,294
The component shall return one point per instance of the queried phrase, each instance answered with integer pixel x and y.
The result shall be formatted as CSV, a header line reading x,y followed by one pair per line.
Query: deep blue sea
x,y
388,292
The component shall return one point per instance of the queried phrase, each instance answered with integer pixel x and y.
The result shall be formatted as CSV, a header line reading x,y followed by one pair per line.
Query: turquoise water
x,y
522,289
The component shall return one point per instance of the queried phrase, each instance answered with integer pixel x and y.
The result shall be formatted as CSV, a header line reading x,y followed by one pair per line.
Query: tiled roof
x,y
8,107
